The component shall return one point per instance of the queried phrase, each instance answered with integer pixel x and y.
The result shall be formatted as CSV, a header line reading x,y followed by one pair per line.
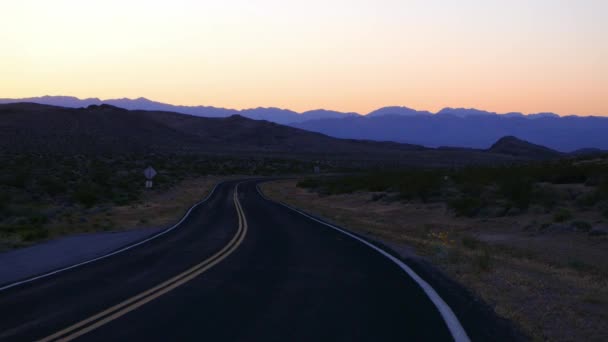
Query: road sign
x,y
149,172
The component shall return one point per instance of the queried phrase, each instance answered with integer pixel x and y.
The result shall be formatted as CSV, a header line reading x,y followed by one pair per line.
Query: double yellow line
x,y
135,302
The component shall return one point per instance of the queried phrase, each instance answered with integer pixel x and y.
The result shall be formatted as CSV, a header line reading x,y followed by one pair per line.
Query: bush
x,y
562,215
309,183
483,261
18,180
568,174
579,265
37,219
87,195
120,199
33,234
4,200
52,186
602,190
24,232
582,226
517,190
587,200
472,189
419,185
545,196
377,197
466,206
472,242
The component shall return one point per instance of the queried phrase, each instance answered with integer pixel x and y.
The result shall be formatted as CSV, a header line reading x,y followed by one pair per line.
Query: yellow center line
x,y
135,302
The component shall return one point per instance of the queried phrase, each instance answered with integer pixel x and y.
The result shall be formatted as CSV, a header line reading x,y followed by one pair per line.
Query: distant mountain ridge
x,y
564,134
278,115
108,130
454,127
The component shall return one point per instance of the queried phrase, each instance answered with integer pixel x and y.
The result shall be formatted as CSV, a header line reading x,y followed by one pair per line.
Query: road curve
x,y
238,268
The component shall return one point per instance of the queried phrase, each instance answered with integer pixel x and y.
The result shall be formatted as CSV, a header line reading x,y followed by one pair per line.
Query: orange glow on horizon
x,y
340,55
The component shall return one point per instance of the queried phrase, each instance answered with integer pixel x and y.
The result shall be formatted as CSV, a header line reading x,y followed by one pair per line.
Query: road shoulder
x,y
478,318
65,251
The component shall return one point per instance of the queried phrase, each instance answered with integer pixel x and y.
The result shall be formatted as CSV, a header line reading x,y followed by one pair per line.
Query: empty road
x,y
239,268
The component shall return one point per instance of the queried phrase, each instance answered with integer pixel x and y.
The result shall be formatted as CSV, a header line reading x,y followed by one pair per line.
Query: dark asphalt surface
x,y
291,279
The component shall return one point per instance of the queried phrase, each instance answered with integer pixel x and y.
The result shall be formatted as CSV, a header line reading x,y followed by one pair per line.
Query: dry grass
x,y
553,284
155,208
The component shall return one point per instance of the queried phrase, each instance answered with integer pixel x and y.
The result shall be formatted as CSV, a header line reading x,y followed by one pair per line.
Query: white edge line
x,y
456,329
28,280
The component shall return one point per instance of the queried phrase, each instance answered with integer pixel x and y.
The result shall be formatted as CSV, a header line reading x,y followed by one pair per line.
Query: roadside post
x,y
150,173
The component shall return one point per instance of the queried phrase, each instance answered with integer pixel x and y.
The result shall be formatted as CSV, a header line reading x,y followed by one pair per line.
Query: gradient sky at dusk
x,y
355,55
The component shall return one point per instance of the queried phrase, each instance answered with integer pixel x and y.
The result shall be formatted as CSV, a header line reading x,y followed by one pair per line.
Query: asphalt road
x,y
239,268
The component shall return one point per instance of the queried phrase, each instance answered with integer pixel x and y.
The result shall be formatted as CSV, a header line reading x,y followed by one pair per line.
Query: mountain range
x,y
451,127
106,130
278,115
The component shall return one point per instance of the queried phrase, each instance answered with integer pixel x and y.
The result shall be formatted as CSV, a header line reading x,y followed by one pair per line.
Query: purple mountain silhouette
x,y
462,127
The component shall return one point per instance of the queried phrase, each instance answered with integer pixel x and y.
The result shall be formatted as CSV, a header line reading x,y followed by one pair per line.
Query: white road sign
x,y
149,172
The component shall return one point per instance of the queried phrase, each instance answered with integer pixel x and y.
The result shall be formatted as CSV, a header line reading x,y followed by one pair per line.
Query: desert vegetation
x,y
558,187
41,195
529,239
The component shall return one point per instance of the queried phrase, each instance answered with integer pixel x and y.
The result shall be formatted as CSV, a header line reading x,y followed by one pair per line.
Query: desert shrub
x,y
4,200
37,219
471,189
471,242
562,215
546,196
474,177
52,186
408,184
483,261
377,197
87,195
102,176
421,185
568,174
466,206
33,234
517,190
309,183
24,232
602,190
582,226
345,186
587,200
120,199
18,179
579,265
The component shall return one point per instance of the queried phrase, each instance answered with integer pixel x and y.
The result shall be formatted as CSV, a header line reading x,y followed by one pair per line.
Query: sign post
x,y
150,173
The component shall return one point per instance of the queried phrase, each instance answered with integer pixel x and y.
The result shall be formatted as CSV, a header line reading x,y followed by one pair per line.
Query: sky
x,y
348,55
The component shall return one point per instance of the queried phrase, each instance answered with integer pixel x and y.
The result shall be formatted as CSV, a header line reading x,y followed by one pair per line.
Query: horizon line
x,y
298,112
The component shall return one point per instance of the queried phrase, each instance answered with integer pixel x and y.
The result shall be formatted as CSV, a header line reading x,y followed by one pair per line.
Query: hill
x,y
516,147
106,129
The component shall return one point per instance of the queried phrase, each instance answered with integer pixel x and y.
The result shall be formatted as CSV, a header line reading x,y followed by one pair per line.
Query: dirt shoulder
x,y
551,284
